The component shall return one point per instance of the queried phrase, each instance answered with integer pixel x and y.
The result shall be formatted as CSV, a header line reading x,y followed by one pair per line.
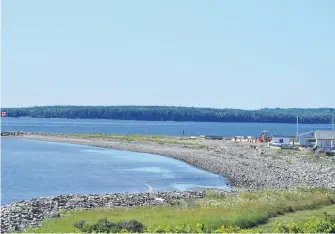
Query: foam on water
x,y
188,186
164,173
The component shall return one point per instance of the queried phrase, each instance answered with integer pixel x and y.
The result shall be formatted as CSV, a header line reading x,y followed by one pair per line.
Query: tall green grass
x,y
245,210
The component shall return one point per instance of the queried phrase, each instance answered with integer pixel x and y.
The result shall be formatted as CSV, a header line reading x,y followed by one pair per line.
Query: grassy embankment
x,y
299,216
156,139
245,210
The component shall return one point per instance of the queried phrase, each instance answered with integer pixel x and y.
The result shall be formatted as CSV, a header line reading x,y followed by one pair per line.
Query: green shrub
x,y
229,229
183,228
314,225
132,226
105,226
235,229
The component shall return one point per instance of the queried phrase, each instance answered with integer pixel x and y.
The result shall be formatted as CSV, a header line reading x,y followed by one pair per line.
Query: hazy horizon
x,y
213,54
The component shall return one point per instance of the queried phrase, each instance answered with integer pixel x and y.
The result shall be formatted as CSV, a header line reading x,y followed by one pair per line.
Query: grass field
x,y
245,210
156,139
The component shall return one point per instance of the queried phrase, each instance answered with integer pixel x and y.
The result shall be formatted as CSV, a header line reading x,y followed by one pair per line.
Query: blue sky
x,y
235,54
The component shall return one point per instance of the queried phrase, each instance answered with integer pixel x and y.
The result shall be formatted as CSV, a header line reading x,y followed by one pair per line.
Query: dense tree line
x,y
163,113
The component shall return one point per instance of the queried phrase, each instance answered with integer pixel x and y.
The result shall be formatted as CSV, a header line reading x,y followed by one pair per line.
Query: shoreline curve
x,y
245,165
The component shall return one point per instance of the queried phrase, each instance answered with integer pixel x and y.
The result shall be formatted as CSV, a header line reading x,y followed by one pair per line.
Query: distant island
x,y
172,113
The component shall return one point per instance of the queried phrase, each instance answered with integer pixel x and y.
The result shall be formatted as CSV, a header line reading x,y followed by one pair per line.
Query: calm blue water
x,y
34,169
151,127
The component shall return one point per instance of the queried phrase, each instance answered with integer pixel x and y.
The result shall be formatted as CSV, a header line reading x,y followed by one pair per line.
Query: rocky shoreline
x,y
22,215
246,165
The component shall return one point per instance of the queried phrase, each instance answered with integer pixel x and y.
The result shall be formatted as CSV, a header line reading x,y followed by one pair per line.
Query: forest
x,y
171,113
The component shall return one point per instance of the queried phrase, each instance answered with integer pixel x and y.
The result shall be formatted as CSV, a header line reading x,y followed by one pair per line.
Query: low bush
x,y
131,226
325,224
234,229
105,226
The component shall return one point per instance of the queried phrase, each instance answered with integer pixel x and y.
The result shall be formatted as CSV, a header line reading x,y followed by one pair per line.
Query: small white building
x,y
282,140
324,138
307,139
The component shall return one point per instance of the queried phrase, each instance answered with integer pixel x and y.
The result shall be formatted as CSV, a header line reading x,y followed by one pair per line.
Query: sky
x,y
218,53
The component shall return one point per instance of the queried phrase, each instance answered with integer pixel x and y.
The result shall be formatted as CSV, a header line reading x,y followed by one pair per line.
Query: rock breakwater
x,y
21,215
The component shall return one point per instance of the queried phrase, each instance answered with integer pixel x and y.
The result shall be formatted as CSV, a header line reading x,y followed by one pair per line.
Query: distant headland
x,y
174,113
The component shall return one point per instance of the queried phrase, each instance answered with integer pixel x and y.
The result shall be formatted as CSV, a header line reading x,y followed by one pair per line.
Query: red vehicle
x,y
264,137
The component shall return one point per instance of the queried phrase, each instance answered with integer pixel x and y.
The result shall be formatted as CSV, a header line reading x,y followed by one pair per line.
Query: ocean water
x,y
31,169
152,127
